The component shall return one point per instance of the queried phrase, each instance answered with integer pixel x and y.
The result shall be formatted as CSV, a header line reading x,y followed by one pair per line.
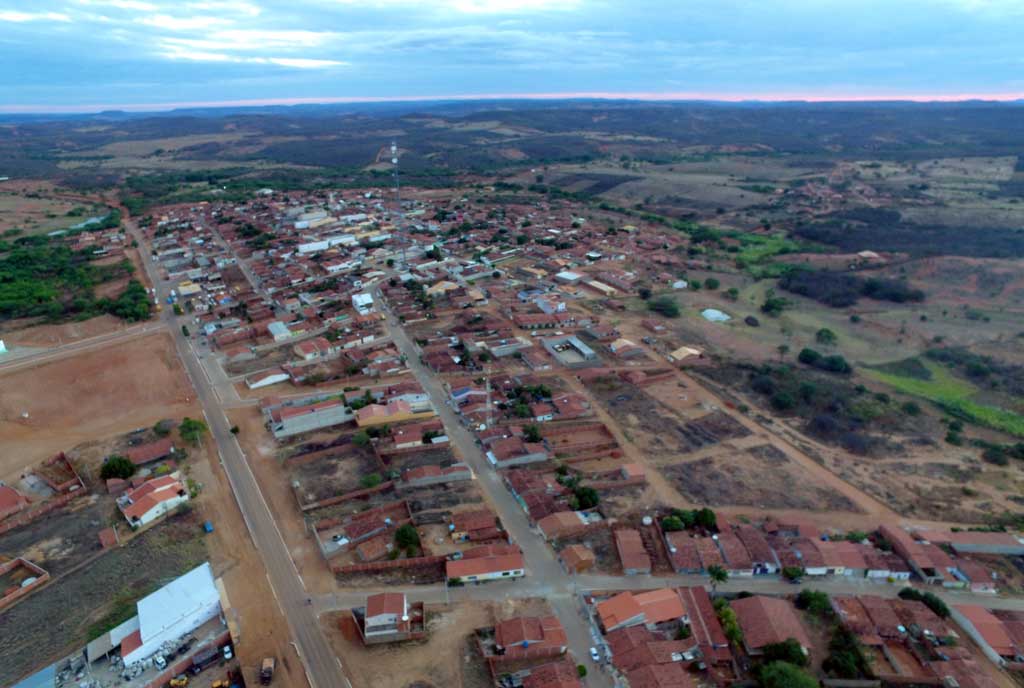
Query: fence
x,y
396,565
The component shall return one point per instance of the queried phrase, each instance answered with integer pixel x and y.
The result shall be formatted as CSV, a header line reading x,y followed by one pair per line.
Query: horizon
x,y
151,108
82,56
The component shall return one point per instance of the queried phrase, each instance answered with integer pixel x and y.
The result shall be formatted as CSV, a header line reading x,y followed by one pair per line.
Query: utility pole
x,y
398,201
487,382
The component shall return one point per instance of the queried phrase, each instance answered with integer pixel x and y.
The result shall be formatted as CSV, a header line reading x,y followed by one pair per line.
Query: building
x,y
530,636
296,416
11,501
394,411
570,351
577,558
767,621
152,499
388,618
619,611
363,303
151,451
632,553
487,562
514,451
1001,638
169,614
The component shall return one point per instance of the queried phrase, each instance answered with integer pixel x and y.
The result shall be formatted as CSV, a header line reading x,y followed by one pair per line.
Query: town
x,y
466,457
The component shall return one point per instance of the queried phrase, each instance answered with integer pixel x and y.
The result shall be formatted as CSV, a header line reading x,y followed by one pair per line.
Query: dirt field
x,y
98,393
65,538
38,209
68,612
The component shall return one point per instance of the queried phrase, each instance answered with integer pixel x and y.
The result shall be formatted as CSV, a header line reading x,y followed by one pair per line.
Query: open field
x,y
53,406
65,538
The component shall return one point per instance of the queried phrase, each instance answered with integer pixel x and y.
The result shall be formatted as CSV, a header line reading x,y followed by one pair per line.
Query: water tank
x,y
29,581
647,520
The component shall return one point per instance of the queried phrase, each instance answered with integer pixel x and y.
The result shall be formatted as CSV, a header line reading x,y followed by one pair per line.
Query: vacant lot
x,y
53,406
63,539
70,611
762,476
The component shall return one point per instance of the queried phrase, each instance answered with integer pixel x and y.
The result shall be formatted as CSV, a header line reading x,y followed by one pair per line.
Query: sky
x,y
89,55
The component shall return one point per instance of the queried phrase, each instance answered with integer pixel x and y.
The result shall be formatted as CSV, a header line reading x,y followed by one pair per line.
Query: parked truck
x,y
204,658
267,670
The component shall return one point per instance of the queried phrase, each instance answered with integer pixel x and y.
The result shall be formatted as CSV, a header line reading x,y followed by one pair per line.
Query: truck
x,y
204,658
267,670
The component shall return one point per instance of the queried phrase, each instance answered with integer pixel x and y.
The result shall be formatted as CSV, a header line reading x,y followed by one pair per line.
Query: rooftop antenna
x,y
398,198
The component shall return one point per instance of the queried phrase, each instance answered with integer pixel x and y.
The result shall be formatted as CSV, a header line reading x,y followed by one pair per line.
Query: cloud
x,y
21,17
181,53
138,5
166,21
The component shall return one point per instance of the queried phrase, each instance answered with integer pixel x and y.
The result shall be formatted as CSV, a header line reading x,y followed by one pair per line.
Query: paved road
x,y
323,669
47,354
545,576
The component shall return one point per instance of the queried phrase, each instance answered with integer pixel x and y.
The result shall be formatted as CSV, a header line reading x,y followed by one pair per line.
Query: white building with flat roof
x,y
363,303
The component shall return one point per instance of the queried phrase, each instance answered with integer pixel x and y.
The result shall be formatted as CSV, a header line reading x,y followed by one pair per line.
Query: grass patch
x,y
947,392
122,608
755,248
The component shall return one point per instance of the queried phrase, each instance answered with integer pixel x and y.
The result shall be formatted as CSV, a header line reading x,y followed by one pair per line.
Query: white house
x,y
363,303
152,499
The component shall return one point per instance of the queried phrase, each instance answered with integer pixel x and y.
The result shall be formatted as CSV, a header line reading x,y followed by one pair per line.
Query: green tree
x,y
706,519
192,430
371,480
785,675
815,602
406,537
117,466
664,305
792,572
711,283
825,337
788,651
587,497
361,438
671,524
531,433
717,575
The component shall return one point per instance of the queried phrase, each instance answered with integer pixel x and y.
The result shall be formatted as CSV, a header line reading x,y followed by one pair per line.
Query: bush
x,y
664,305
808,357
581,671
234,430
825,337
751,321
531,433
788,650
815,602
371,480
361,438
671,524
712,284
406,537
117,466
930,599
846,658
792,572
192,430
785,675
587,497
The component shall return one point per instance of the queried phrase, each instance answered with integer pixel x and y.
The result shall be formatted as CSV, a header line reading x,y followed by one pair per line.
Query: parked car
x,y
595,655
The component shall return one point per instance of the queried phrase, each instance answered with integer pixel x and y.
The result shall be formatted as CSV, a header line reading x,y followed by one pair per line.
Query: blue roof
x,y
47,678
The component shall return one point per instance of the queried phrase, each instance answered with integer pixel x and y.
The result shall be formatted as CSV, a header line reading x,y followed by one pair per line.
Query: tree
x,y
581,671
117,466
521,410
825,337
664,305
785,675
531,433
671,524
234,430
783,349
808,356
789,651
192,430
815,602
717,575
846,658
361,438
706,519
587,497
792,572
774,305
711,283
371,480
406,537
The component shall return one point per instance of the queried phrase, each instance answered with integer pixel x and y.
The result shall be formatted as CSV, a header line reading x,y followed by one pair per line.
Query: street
x,y
322,666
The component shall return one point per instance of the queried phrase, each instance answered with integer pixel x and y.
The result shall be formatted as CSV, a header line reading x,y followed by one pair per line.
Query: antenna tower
x,y
398,201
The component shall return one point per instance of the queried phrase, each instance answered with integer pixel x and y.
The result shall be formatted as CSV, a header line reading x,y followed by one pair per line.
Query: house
x,y
487,562
530,636
266,378
560,674
577,558
619,611
514,451
476,525
363,303
11,501
671,675
388,618
151,451
767,621
152,499
632,553
561,524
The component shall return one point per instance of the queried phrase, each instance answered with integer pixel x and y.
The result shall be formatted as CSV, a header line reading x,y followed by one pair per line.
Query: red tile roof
x,y
768,620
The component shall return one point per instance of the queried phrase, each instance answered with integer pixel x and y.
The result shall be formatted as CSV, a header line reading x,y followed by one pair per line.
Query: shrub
x,y
664,305
788,650
815,602
808,357
406,537
371,480
361,438
117,466
751,321
785,675
712,284
672,524
192,430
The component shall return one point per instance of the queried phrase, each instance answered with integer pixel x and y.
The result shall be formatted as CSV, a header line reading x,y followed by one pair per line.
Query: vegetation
x,y
788,651
716,576
686,519
833,363
785,675
846,657
117,466
938,385
54,282
361,439
730,624
841,289
406,537
664,305
371,480
792,573
815,602
931,600
531,433
192,430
